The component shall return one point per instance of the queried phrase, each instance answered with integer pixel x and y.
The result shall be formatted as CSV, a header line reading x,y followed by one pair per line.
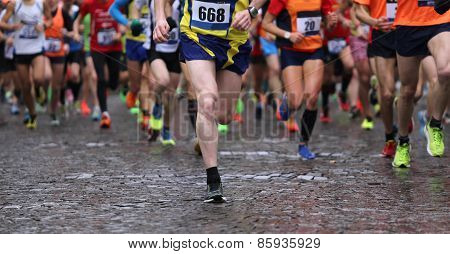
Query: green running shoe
x,y
134,110
239,106
435,141
367,125
156,124
402,158
222,128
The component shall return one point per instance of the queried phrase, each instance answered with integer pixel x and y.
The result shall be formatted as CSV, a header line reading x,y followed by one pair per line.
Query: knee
x,y
274,71
407,92
387,95
207,106
311,100
444,75
295,102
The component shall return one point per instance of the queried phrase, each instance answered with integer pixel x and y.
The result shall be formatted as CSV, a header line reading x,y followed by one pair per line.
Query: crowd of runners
x,y
377,56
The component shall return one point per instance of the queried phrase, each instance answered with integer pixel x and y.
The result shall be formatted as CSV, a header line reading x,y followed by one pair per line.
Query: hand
x,y
66,49
9,41
383,24
40,28
76,37
117,37
17,26
332,19
161,31
296,37
242,20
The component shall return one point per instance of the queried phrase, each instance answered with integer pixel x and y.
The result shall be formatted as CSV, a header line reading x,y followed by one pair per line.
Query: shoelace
x,y
437,135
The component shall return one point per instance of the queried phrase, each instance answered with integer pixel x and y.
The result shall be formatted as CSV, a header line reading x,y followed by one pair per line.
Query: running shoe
x,y
31,123
402,158
238,118
105,122
135,110
145,123
258,111
354,112
84,108
156,123
14,109
367,125
54,120
377,109
96,114
214,193
166,138
343,105
26,117
324,117
435,141
389,149
197,147
40,108
222,128
305,153
123,95
239,106
284,109
292,125
130,100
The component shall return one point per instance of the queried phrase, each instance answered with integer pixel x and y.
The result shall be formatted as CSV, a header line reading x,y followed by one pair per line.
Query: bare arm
x,y
362,13
270,27
8,14
48,22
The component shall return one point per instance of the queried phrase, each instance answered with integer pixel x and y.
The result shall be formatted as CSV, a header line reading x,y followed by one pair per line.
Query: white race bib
x,y
28,32
211,16
52,45
336,46
106,37
308,25
391,9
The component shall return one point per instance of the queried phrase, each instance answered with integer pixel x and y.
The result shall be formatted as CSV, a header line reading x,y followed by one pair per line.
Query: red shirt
x,y
103,26
339,31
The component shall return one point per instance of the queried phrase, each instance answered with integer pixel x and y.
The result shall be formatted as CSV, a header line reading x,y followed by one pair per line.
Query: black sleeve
x,y
68,22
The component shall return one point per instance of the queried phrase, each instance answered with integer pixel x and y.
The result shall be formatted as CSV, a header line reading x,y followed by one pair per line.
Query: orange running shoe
x,y
105,123
238,118
292,125
389,149
85,110
130,100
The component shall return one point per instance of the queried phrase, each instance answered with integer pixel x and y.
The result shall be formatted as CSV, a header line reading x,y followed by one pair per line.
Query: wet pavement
x,y
79,179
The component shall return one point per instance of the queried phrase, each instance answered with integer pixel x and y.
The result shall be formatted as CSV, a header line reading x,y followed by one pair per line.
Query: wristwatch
x,y
287,35
253,12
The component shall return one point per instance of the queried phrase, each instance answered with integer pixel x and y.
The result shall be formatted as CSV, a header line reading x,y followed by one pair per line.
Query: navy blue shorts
x,y
297,58
135,51
413,40
383,44
227,55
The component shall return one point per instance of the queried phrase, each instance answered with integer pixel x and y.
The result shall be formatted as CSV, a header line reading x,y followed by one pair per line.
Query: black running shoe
x,y
214,193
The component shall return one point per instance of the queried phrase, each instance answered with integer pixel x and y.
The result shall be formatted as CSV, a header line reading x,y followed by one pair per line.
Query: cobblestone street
x,y
80,179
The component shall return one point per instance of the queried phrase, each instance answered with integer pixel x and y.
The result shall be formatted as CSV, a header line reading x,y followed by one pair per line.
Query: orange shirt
x,y
302,16
377,8
54,37
418,13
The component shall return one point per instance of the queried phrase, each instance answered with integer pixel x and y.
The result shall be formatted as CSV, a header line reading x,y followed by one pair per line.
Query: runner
x,y
106,48
55,51
421,32
29,38
298,36
379,15
216,51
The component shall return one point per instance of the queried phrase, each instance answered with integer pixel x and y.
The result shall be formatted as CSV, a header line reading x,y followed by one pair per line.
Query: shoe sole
x,y
401,166
428,143
216,199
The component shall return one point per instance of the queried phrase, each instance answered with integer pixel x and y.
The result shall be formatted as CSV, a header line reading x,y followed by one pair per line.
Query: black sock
x,y
403,140
192,112
212,175
145,112
390,136
346,78
369,118
308,121
435,123
325,104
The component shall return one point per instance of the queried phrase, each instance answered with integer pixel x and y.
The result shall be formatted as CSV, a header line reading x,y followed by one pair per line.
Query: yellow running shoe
x,y
367,125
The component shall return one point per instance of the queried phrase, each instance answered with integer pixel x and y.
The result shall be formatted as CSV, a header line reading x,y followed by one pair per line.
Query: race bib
x,y
9,52
391,9
425,3
52,45
336,46
106,37
211,16
173,36
365,29
28,32
308,23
